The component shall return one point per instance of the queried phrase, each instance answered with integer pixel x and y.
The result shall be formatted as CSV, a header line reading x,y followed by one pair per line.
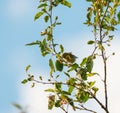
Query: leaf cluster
x,y
70,79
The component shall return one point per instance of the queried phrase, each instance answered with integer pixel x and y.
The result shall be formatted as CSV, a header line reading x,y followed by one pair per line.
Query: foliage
x,y
103,16
20,108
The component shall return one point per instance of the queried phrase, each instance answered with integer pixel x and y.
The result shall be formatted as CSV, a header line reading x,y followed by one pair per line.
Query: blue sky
x,y
17,27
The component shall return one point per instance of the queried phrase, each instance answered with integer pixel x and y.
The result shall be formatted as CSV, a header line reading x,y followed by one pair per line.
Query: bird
x,y
69,57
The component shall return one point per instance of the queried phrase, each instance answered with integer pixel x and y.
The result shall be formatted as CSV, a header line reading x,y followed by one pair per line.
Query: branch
x,y
64,110
84,108
104,61
105,12
41,82
100,103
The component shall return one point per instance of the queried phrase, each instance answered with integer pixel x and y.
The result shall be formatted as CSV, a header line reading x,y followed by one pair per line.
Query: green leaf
x,y
95,89
83,62
58,86
57,76
63,95
88,16
24,81
71,81
31,78
38,15
114,22
17,106
66,3
42,5
33,43
33,85
70,89
89,0
111,37
83,73
27,68
101,47
57,103
90,42
46,18
45,50
89,64
61,48
59,65
58,23
91,83
111,28
84,96
73,67
118,15
65,92
40,77
51,66
92,74
49,90
67,74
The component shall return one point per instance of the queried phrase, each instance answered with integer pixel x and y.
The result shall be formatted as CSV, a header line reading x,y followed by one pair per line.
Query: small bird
x,y
69,57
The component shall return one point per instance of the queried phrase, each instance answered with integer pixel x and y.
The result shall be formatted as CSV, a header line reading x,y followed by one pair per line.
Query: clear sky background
x,y
17,27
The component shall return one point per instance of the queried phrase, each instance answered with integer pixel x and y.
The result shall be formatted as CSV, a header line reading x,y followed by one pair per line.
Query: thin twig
x,y
63,109
100,103
84,108
104,60
105,12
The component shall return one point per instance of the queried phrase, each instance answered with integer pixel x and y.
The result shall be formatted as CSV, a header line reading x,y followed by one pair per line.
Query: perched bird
x,y
69,57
